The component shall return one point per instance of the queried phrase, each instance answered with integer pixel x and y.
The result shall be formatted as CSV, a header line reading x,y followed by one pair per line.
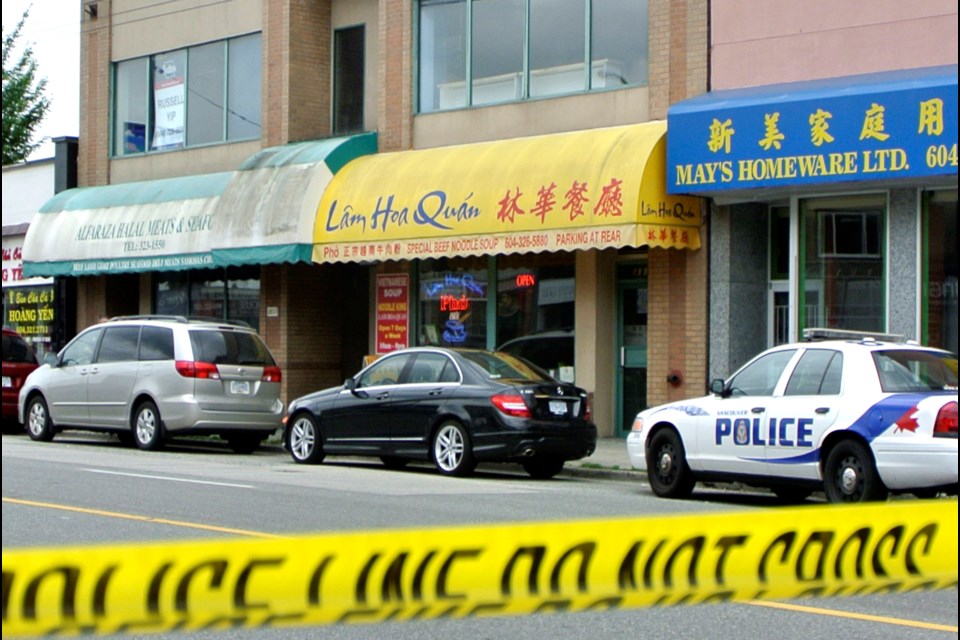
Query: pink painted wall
x,y
758,42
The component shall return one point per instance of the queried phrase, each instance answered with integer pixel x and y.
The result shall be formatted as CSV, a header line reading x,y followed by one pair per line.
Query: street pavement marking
x,y
170,478
129,516
852,615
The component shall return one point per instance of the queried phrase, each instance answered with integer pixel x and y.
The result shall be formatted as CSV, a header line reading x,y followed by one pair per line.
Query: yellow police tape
x,y
454,572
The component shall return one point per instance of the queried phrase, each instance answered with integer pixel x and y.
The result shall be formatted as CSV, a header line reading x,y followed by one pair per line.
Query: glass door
x,y
631,383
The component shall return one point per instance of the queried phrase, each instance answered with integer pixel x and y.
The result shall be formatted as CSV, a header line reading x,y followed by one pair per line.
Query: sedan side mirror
x,y
50,358
718,387
350,384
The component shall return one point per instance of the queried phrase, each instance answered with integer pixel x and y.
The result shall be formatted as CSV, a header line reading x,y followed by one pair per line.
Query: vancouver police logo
x,y
741,431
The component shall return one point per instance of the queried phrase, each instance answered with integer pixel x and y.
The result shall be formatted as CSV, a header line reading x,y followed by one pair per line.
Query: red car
x,y
19,360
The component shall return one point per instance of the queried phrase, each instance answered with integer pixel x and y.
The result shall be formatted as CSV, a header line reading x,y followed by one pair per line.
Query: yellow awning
x,y
589,189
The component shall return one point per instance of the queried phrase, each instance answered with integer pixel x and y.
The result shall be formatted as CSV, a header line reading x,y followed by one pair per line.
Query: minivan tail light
x,y
946,423
200,370
271,374
511,404
588,410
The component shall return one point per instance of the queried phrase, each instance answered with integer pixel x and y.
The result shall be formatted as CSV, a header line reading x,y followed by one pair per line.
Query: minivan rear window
x,y
229,347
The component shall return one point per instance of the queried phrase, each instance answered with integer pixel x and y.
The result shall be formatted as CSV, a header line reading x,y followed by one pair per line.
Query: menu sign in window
x,y
393,313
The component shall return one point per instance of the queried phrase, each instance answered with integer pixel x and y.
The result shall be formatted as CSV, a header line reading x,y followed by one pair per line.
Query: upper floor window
x,y
348,77
477,52
199,95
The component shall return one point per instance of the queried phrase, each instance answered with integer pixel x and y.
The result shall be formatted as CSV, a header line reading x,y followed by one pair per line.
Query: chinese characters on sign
x,y
591,189
393,316
826,138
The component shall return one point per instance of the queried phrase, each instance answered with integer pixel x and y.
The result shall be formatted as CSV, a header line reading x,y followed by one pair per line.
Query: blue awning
x,y
260,214
872,127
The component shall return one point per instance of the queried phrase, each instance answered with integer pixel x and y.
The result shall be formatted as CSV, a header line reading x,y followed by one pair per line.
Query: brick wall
x,y
679,42
296,71
93,155
677,323
395,75
305,338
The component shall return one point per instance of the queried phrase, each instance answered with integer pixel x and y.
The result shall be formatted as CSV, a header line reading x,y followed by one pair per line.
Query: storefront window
x,y
497,50
207,82
533,296
940,285
843,263
452,301
521,49
232,294
194,96
130,107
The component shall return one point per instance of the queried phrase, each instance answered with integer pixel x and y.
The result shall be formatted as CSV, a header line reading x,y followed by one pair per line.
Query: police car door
x,y
797,420
736,443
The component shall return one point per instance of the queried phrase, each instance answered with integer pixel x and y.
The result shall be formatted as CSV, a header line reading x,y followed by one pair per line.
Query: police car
x,y
855,416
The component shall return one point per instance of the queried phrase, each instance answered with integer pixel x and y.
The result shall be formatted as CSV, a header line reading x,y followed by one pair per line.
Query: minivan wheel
x,y
452,452
303,440
39,425
147,430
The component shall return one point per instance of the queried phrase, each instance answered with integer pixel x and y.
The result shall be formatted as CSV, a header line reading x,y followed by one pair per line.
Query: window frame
x,y
148,69
524,76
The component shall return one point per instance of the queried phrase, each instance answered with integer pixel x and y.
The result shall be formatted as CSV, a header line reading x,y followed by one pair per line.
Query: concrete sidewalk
x,y
608,461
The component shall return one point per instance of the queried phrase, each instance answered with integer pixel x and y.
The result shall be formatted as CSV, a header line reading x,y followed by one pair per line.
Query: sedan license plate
x,y
7,382
240,387
558,408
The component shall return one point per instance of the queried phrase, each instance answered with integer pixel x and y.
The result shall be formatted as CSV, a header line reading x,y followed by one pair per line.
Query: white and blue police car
x,y
853,415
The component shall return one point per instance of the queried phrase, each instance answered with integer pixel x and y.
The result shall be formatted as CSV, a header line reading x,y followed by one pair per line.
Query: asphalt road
x,y
87,489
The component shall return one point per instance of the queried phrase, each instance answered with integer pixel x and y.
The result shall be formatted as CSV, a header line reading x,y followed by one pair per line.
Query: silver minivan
x,y
147,378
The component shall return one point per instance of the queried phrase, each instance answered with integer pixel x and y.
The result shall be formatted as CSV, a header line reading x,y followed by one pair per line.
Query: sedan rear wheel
x,y
39,425
851,475
452,452
147,428
667,469
303,440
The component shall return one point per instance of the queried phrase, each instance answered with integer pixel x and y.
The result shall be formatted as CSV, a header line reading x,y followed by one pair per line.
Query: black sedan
x,y
456,407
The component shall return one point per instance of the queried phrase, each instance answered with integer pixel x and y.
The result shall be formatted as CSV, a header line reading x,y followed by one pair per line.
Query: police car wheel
x,y
851,475
667,469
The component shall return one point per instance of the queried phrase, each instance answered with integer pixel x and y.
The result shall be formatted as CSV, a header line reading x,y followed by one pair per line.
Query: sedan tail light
x,y
200,370
271,374
511,404
588,411
946,424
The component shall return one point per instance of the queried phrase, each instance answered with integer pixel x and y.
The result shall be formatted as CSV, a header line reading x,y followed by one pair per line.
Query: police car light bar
x,y
822,333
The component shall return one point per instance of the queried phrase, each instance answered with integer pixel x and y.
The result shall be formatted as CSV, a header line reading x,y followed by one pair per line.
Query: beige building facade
x,y
635,306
